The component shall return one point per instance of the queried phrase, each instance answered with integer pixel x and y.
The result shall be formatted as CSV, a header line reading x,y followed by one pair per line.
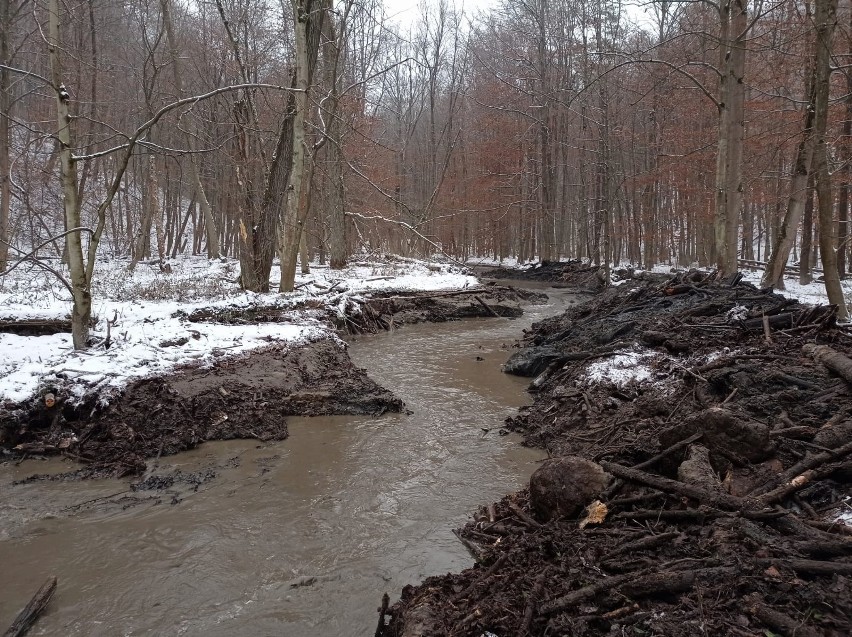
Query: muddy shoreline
x,y
248,396
722,435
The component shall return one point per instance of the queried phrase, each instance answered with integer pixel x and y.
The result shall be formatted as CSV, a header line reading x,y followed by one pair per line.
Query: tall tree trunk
x,y
308,24
805,275
81,311
334,199
826,21
786,235
8,12
729,183
843,231
5,114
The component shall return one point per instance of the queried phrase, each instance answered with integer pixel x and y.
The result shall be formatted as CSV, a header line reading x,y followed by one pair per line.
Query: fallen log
x,y
642,544
810,567
488,573
35,327
830,359
777,620
667,583
28,617
638,584
526,519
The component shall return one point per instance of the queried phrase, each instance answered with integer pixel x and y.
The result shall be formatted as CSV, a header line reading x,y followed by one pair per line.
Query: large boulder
x,y
561,487
531,361
722,431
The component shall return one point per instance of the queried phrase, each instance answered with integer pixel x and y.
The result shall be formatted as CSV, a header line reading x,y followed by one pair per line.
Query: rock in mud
x,y
563,486
531,361
722,431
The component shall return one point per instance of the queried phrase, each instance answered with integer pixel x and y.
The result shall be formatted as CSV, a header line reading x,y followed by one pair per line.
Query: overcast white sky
x,y
401,10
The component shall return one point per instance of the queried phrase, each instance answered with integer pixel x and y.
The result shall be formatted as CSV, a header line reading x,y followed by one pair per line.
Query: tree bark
x,y
786,235
733,16
6,15
307,24
81,311
334,199
807,249
826,21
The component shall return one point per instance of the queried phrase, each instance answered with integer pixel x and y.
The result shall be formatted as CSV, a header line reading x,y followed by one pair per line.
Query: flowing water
x,y
299,537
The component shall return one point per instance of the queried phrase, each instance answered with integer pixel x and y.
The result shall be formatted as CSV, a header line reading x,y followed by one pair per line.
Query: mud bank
x,y
247,396
568,274
705,426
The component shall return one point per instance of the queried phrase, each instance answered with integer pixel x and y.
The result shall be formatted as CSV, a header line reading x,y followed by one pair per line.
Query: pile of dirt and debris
x,y
567,274
384,311
700,434
242,397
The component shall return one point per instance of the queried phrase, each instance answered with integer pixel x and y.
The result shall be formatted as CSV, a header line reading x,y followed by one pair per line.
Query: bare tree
x,y
825,19
212,231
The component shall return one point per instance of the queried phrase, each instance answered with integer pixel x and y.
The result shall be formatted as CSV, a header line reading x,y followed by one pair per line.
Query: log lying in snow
x,y
35,327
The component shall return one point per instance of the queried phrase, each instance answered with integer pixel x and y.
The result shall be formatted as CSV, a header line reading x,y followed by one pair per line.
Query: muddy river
x,y
299,537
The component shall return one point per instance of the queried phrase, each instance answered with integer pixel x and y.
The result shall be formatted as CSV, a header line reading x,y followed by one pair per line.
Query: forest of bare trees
x,y
690,133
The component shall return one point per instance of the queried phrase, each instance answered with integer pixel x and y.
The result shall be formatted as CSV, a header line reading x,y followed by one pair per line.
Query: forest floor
x,y
172,366
700,434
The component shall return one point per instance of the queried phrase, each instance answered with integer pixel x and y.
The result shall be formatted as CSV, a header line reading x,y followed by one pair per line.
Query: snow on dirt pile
x,y
623,368
141,326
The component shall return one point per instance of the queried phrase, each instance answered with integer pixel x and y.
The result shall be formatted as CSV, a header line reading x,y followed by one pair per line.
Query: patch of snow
x,y
147,315
845,516
622,368
736,314
812,293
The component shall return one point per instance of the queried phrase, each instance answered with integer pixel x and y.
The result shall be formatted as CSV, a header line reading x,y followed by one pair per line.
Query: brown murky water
x,y
300,537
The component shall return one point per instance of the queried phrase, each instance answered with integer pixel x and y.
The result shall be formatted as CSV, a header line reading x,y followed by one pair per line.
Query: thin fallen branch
x,y
720,500
532,602
798,469
484,577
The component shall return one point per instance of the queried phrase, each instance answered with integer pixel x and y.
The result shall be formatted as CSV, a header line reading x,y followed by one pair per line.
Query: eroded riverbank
x,y
294,537
702,429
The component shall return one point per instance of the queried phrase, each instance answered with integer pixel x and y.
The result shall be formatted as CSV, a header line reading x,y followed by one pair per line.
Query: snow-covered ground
x,y
149,332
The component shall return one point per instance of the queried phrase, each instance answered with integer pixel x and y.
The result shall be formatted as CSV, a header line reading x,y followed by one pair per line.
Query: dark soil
x,y
728,466
244,397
